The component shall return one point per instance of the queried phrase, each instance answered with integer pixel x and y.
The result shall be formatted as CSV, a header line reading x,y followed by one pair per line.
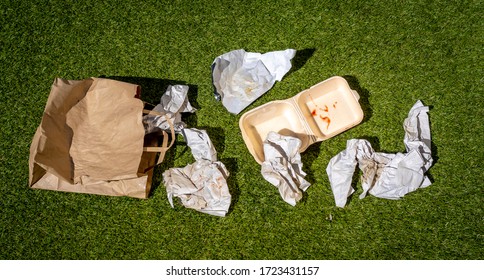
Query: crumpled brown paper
x,y
106,130
90,140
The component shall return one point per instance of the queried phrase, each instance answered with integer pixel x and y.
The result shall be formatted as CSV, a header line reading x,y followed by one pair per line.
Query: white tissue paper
x,y
385,175
172,104
282,166
200,144
240,77
202,185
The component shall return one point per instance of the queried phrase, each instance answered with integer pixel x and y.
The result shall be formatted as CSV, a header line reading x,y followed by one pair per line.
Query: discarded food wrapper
x,y
200,144
283,166
240,77
385,175
172,104
313,115
202,185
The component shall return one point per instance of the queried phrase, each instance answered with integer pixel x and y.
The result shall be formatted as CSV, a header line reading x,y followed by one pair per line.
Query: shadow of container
x,y
364,96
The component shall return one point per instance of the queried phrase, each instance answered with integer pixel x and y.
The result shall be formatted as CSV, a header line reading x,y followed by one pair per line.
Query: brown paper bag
x,y
91,140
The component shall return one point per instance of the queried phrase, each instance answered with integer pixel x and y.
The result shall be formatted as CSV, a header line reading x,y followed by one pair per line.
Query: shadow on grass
x,y
312,153
374,141
232,166
433,147
354,183
159,169
217,136
300,59
308,157
153,88
364,96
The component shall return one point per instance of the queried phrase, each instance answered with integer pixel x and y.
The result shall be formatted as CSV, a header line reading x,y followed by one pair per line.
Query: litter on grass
x,y
240,77
283,166
172,104
91,140
385,175
202,185
200,144
313,115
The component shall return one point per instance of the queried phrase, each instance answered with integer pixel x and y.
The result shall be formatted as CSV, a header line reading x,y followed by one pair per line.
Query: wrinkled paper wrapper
x,y
389,176
282,166
202,185
240,77
172,104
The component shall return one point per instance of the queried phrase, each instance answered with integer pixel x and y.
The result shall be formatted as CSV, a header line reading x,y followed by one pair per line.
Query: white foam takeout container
x,y
313,115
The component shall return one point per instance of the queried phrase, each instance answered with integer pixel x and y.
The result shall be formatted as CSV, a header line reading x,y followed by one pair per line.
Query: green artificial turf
x,y
392,52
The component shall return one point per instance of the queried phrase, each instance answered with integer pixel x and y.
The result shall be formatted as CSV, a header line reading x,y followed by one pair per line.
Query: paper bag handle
x,y
164,145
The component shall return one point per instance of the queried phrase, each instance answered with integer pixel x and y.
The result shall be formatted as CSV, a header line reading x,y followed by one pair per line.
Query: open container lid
x,y
313,115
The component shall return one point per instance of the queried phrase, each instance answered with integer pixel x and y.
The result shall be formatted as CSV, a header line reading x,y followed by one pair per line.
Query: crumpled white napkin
x,y
240,77
282,166
200,144
172,104
385,175
202,185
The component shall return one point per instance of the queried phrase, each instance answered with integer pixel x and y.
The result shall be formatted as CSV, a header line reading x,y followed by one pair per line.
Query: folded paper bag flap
x,y
52,167
107,141
53,137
